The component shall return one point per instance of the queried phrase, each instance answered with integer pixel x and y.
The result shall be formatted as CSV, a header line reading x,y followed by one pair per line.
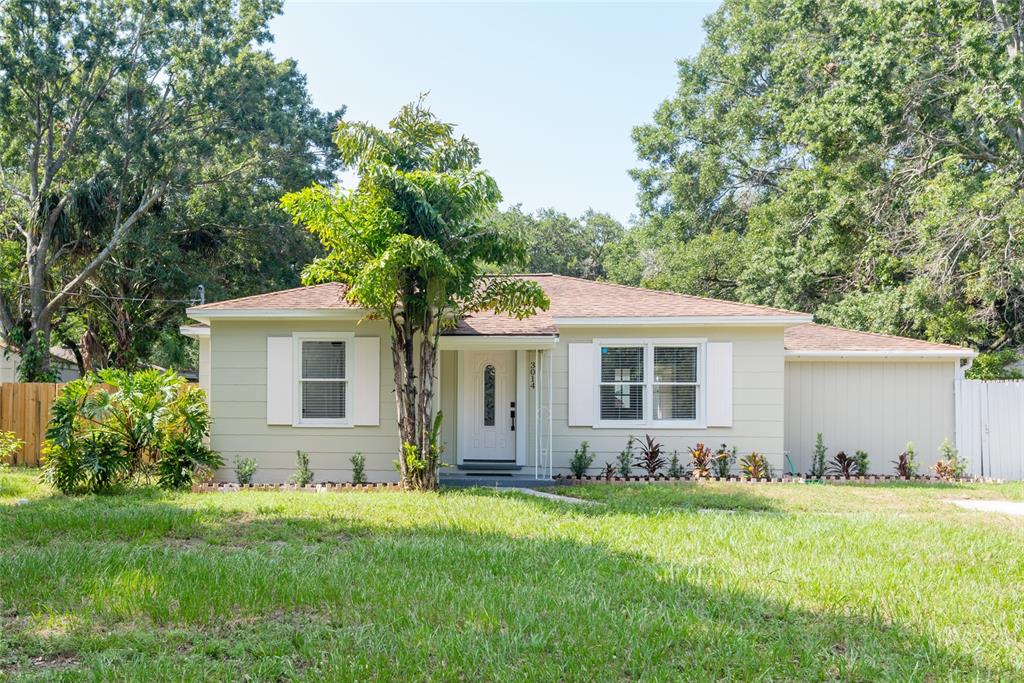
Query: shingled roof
x,y
812,338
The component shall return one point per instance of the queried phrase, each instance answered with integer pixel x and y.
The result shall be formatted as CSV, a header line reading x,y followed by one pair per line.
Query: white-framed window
x,y
650,383
323,375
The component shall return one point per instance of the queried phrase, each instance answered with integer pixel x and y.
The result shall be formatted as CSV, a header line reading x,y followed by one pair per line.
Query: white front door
x,y
486,401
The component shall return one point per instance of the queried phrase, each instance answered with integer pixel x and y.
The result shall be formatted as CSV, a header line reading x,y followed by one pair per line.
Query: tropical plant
x,y
862,463
9,445
245,469
415,244
951,465
817,470
701,461
625,459
675,468
725,457
650,456
582,459
609,471
906,462
843,465
110,426
358,468
302,476
755,466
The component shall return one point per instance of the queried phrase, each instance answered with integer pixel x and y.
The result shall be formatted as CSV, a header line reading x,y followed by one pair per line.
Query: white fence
x,y
990,427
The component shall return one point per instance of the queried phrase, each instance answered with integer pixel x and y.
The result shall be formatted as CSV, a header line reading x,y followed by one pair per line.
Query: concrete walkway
x,y
552,496
1005,507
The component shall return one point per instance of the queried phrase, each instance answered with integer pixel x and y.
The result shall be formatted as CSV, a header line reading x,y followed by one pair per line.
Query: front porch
x,y
496,395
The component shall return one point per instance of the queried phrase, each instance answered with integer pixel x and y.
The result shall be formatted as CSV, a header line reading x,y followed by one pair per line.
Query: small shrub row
x,y
648,456
950,466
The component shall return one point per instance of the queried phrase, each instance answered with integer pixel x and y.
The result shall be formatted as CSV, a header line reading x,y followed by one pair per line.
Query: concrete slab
x,y
1006,507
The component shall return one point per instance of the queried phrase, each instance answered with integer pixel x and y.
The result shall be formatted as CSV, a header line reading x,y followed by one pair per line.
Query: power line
x,y
109,297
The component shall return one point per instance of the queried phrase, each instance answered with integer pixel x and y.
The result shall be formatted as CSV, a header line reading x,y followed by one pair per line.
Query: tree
x,y
869,157
107,109
564,245
413,241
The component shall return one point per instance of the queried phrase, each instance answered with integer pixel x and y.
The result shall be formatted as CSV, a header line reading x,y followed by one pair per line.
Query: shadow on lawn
x,y
432,598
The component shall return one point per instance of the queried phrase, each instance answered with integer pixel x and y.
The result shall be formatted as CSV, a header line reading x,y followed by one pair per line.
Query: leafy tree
x,y
413,241
996,365
112,112
867,157
564,245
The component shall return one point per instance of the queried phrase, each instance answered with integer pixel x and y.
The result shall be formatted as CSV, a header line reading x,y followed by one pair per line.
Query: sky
x,y
549,91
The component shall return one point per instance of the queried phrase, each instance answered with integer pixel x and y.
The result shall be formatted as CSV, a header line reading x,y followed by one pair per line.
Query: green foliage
x,y
651,455
862,463
110,426
245,469
561,244
9,445
995,365
906,462
675,468
625,459
581,461
302,476
844,158
817,469
725,457
358,468
755,466
951,465
414,242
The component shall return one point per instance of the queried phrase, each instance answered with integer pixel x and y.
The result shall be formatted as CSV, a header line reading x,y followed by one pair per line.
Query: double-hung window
x,y
650,383
323,380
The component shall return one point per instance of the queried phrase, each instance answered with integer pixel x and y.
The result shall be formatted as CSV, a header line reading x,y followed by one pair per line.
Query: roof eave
x,y
839,354
205,315
685,320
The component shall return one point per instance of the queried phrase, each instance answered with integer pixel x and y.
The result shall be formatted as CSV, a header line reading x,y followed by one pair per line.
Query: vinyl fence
x,y
990,427
25,410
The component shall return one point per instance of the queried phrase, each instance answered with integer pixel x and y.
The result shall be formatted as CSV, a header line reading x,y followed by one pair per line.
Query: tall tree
x,y
867,159
107,107
559,243
413,241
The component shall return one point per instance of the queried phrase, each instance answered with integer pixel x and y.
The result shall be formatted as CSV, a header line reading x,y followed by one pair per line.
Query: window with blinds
x,y
323,380
647,382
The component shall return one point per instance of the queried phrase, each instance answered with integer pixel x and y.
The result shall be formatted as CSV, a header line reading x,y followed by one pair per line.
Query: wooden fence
x,y
990,427
25,410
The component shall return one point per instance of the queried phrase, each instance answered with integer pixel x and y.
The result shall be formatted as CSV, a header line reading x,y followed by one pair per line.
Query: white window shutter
x,y
581,385
280,382
366,370
719,384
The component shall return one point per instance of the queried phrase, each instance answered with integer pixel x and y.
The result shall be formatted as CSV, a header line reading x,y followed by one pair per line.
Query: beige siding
x,y
758,394
876,406
238,390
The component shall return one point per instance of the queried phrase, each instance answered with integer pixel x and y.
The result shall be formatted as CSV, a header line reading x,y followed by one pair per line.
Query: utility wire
x,y
109,297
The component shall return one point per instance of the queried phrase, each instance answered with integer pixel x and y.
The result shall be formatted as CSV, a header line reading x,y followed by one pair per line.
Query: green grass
x,y
696,582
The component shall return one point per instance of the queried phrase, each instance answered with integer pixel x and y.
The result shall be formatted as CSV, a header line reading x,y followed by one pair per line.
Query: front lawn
x,y
698,582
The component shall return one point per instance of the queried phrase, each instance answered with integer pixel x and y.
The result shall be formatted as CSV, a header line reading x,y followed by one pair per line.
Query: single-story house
x,y
62,360
303,369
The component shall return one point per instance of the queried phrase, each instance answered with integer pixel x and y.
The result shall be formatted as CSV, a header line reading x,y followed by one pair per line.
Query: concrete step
x,y
492,480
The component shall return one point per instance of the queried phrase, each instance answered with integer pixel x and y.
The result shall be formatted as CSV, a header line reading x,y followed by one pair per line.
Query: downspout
x,y
551,413
536,414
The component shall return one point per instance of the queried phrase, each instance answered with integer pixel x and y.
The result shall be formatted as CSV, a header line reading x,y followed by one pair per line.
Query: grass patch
x,y
794,582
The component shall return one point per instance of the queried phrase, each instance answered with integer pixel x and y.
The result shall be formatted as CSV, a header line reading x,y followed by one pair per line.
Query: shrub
x,y
245,468
581,461
358,468
675,468
626,459
302,476
863,463
609,471
650,457
701,459
843,465
818,459
906,463
110,426
755,466
951,466
9,444
723,462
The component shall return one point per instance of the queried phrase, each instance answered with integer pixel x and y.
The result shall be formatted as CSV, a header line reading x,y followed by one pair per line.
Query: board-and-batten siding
x,y
758,376
238,380
876,406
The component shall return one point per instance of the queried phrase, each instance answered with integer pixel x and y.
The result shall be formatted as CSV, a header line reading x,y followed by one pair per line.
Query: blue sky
x,y
550,91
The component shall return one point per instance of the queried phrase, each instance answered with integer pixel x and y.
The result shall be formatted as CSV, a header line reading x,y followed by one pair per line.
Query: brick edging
x,y
329,487
562,480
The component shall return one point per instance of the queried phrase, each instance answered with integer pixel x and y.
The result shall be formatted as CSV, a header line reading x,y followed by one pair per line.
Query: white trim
x,y
297,339
879,355
260,313
521,421
194,331
497,342
648,421
666,321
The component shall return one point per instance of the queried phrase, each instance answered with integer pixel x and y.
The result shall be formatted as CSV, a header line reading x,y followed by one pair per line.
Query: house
x,y
302,369
61,360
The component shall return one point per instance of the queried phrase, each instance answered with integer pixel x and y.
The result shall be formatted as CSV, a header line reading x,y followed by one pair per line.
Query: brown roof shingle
x,y
814,337
316,297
